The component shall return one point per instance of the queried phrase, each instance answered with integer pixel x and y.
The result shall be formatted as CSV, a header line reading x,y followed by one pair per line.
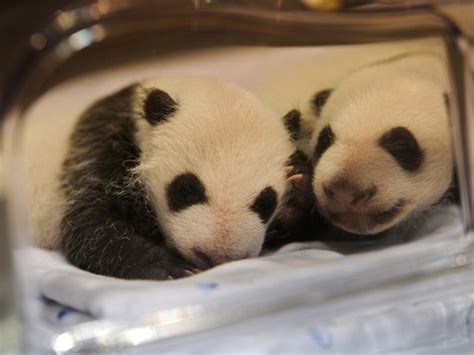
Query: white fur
x,y
235,147
293,85
220,133
408,92
368,100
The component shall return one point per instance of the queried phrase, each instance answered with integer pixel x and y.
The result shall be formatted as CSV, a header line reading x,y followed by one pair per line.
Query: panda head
x,y
213,164
381,150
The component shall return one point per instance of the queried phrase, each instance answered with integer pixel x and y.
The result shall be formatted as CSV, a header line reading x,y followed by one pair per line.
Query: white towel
x,y
52,277
69,295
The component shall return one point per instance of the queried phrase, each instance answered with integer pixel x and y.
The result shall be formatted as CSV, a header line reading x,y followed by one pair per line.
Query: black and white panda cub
x,y
380,147
161,179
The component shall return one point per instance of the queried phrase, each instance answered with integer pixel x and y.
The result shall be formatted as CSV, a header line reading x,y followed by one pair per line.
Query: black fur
x,y
402,145
109,226
294,221
265,204
292,123
319,99
184,191
325,139
158,106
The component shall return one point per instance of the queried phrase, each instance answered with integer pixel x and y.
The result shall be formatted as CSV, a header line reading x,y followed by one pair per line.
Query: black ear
x,y
319,99
158,106
292,123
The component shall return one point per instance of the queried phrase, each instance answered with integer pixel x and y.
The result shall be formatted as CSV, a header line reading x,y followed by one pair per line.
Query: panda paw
x,y
169,272
293,220
163,267
157,273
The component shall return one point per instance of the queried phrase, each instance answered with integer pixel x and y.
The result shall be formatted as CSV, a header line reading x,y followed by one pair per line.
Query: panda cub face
x,y
213,164
381,150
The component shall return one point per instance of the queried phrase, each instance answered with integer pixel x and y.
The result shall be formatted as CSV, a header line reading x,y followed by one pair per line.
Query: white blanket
x,y
60,295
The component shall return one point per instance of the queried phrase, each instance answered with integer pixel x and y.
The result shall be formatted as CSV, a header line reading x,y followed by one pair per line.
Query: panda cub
x,y
164,178
380,147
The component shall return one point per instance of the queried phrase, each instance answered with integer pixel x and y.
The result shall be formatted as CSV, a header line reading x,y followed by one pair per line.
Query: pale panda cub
x,y
163,178
381,147
378,138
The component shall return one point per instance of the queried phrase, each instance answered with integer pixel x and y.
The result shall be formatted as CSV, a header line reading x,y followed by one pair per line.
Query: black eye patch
x,y
265,204
158,106
325,139
402,145
184,191
319,99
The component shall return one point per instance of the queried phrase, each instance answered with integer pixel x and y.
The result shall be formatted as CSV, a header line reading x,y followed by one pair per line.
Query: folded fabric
x,y
52,277
65,295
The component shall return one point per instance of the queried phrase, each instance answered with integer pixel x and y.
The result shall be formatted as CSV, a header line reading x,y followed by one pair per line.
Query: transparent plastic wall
x,y
100,34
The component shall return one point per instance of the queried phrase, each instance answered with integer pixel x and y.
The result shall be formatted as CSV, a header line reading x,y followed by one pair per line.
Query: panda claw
x,y
288,169
295,178
190,272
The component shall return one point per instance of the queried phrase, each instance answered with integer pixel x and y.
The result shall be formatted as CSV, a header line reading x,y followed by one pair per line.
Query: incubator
x,y
410,289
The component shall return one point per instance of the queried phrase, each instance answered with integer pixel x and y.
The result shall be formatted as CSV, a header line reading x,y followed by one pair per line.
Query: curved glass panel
x,y
290,58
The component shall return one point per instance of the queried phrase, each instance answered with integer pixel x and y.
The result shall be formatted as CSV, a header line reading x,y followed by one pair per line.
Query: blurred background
x,y
20,18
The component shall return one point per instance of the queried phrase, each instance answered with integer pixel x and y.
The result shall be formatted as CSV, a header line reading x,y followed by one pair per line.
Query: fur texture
x,y
381,144
116,204
374,124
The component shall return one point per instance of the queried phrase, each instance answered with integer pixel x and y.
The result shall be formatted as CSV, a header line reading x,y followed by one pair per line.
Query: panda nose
x,y
346,194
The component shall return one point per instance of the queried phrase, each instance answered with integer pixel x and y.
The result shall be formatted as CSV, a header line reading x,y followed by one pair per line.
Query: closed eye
x,y
401,144
184,191
265,204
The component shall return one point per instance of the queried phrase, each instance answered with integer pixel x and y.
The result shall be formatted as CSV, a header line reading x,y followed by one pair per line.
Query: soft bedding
x,y
60,296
